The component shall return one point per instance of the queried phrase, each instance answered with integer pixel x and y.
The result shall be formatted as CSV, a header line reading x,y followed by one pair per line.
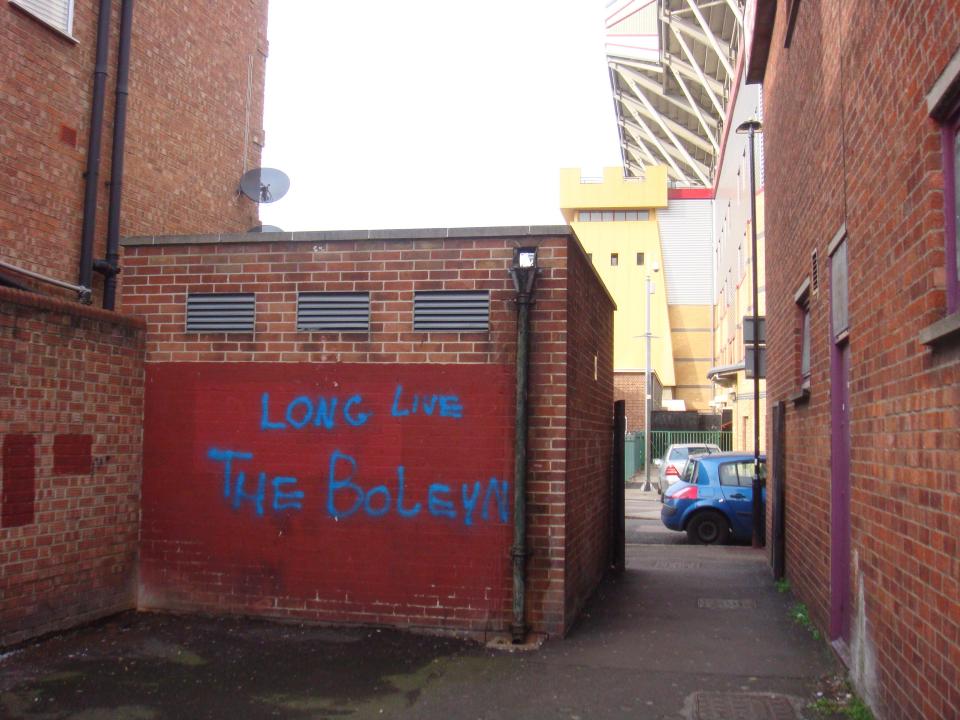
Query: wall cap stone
x,y
318,236
942,331
67,307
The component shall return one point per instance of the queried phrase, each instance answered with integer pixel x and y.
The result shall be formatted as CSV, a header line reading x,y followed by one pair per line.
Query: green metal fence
x,y
660,440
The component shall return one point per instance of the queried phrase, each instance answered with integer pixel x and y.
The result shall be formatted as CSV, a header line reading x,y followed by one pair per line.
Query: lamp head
x,y
750,127
523,270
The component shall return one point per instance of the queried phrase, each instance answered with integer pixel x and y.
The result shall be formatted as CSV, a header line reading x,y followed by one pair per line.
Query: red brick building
x,y
71,377
346,455
861,122
194,124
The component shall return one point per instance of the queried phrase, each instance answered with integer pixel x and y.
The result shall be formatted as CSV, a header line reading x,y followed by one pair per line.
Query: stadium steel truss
x,y
673,65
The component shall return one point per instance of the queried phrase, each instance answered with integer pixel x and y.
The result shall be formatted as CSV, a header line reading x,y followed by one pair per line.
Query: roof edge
x,y
759,19
318,236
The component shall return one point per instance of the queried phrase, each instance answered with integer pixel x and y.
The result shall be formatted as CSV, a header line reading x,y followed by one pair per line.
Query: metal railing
x,y
660,440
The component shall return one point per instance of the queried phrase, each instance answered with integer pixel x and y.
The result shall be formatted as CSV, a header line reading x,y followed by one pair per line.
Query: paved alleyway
x,y
686,632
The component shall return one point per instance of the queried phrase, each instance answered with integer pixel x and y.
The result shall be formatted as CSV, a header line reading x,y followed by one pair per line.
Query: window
x,y
951,188
740,473
802,298
57,14
943,103
805,347
954,176
639,258
839,287
728,474
612,216
614,259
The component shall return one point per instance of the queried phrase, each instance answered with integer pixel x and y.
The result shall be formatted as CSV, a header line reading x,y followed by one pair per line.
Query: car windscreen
x,y
679,453
690,471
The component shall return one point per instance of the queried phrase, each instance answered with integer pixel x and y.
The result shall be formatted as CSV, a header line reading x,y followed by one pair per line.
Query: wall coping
x,y
318,236
67,307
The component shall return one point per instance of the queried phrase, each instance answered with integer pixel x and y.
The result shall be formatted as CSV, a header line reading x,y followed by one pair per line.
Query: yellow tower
x,y
619,221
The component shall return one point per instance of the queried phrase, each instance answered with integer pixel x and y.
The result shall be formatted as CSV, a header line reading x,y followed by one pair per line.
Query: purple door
x,y
840,492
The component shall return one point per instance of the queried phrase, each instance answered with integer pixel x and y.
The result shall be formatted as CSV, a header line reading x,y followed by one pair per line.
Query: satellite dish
x,y
264,185
264,229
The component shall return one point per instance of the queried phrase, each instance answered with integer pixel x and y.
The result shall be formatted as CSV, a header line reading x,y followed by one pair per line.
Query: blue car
x,y
713,500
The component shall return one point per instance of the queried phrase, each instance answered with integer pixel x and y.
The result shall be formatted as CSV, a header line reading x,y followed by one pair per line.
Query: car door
x,y
736,486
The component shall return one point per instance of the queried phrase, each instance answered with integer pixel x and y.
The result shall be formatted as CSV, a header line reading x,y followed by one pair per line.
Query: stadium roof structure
x,y
673,69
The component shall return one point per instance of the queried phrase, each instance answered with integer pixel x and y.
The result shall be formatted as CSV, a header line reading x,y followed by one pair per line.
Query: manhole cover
x,y
724,604
742,706
676,565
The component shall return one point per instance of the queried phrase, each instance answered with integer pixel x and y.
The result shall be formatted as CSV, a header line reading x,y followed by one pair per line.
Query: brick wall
x,y
629,388
70,413
848,141
589,432
193,67
446,566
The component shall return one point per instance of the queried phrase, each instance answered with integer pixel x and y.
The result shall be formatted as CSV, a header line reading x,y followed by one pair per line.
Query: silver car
x,y
675,461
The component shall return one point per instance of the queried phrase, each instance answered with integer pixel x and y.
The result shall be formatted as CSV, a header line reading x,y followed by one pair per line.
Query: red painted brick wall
x,y
70,413
188,116
417,579
395,509
848,141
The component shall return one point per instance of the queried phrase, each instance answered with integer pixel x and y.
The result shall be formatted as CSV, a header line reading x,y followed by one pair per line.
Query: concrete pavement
x,y
685,632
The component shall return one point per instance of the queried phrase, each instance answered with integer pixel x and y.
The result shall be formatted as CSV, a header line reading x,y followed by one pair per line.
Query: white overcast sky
x,y
433,113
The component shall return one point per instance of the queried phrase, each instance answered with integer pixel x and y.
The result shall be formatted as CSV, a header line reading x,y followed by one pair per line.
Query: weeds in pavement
x,y
801,616
841,701
783,585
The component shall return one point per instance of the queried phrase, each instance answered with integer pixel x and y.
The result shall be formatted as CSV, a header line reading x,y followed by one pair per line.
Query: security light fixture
x,y
749,127
524,269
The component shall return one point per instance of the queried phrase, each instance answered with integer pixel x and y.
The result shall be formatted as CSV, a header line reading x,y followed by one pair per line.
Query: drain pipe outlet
x,y
524,274
92,174
110,267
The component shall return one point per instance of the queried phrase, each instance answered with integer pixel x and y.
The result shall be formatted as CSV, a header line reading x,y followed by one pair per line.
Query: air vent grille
x,y
453,311
333,312
220,312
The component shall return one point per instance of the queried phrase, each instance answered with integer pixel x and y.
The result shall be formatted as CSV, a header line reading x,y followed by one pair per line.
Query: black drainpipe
x,y
110,266
524,273
92,173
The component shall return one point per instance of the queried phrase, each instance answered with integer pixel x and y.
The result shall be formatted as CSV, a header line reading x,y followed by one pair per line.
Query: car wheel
x,y
708,528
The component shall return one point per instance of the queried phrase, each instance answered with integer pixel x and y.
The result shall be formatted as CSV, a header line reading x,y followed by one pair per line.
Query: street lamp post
x,y
750,128
647,445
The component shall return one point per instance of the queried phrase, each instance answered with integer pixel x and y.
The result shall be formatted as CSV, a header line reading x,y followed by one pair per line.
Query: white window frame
x,y
35,9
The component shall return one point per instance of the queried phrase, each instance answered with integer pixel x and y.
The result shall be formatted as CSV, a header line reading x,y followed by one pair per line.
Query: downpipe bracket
x,y
106,268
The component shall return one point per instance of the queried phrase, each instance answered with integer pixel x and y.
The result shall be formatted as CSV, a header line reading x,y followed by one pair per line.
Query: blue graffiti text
x,y
318,412
448,406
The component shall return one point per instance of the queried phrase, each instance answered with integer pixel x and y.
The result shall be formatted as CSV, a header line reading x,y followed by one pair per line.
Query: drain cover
x,y
723,604
742,706
676,565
